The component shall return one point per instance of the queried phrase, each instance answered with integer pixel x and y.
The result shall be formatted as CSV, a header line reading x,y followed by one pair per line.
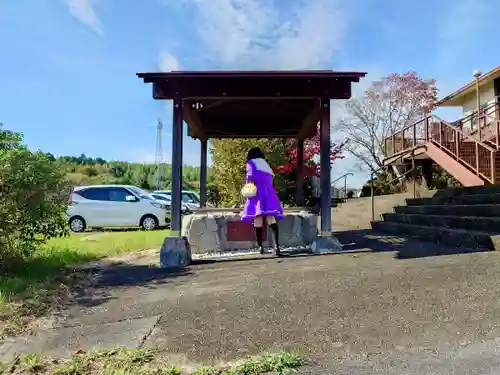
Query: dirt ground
x,y
333,308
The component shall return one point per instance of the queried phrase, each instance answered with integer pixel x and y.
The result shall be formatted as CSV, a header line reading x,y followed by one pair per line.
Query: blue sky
x,y
67,68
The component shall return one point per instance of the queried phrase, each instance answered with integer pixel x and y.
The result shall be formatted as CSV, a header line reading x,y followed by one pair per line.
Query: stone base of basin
x,y
175,252
325,245
215,231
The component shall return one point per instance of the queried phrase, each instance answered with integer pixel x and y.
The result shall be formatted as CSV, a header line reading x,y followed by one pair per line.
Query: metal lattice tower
x,y
159,143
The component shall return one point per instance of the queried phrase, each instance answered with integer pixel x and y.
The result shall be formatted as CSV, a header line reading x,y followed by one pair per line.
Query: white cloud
x,y
83,11
256,34
168,62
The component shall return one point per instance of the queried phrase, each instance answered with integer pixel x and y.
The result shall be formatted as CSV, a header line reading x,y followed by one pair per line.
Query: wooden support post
x,y
414,173
177,136
426,127
299,196
203,174
496,88
478,162
325,178
414,143
427,172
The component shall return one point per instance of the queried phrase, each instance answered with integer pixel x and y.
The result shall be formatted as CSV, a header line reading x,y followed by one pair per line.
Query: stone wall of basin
x,y
212,231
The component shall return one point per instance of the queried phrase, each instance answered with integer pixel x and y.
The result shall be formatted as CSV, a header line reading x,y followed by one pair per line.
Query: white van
x,y
114,206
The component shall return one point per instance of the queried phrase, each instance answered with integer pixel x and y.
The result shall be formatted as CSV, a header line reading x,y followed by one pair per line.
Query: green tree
x,y
31,207
229,163
91,172
83,170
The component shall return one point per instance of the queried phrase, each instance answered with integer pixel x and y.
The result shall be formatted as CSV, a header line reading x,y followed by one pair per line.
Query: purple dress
x,y
266,202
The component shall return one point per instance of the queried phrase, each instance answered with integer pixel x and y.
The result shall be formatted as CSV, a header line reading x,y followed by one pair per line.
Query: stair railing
x,y
406,139
413,171
344,176
488,126
475,155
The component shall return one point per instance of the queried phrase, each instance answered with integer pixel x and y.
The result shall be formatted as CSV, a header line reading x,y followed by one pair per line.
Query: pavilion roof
x,y
251,104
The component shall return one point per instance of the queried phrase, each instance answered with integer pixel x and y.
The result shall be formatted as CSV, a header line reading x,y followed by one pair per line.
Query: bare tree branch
x,y
388,106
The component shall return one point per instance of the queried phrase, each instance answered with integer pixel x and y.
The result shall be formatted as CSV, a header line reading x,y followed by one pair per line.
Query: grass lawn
x,y
145,361
31,285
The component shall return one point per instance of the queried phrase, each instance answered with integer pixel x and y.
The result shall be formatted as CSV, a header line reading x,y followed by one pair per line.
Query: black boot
x,y
274,227
259,233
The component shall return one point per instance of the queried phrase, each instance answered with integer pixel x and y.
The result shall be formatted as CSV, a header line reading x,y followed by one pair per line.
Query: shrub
x,y
213,194
31,207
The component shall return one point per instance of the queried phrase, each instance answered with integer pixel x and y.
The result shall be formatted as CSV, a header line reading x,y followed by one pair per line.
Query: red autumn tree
x,y
284,163
311,155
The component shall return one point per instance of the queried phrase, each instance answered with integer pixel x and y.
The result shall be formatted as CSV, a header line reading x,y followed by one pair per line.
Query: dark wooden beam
x,y
253,89
325,178
208,104
177,123
308,127
299,194
267,124
261,134
205,75
192,118
250,130
203,174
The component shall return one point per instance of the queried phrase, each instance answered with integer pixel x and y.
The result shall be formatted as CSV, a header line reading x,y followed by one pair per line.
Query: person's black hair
x,y
255,153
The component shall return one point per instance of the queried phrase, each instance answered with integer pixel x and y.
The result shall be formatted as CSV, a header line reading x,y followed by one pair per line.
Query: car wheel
x,y
149,222
77,224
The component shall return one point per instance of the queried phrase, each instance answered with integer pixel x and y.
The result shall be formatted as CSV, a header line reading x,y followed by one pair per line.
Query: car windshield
x,y
162,192
141,193
194,197
161,197
136,190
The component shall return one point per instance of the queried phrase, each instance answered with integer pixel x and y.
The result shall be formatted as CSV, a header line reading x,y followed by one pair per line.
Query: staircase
x,y
467,151
465,217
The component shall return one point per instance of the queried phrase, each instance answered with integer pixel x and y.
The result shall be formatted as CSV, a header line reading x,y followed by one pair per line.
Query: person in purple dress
x,y
265,206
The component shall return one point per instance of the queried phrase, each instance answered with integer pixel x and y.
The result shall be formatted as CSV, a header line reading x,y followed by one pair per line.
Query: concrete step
x,y
485,210
357,212
446,236
490,198
421,201
470,190
455,194
482,224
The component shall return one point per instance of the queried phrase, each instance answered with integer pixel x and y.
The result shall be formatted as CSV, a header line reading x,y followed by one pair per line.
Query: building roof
x,y
457,98
251,104
152,77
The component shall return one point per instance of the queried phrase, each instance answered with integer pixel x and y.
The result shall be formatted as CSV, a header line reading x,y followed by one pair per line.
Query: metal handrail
x,y
474,113
372,177
344,176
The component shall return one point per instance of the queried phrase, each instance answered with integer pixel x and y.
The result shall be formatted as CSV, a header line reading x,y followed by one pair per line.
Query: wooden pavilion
x,y
251,104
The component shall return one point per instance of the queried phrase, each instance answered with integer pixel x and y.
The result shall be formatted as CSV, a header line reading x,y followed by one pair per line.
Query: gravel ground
x,y
338,309
341,306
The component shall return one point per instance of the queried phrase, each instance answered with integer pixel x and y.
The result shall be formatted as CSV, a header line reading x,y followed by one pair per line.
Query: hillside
x,y
83,170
